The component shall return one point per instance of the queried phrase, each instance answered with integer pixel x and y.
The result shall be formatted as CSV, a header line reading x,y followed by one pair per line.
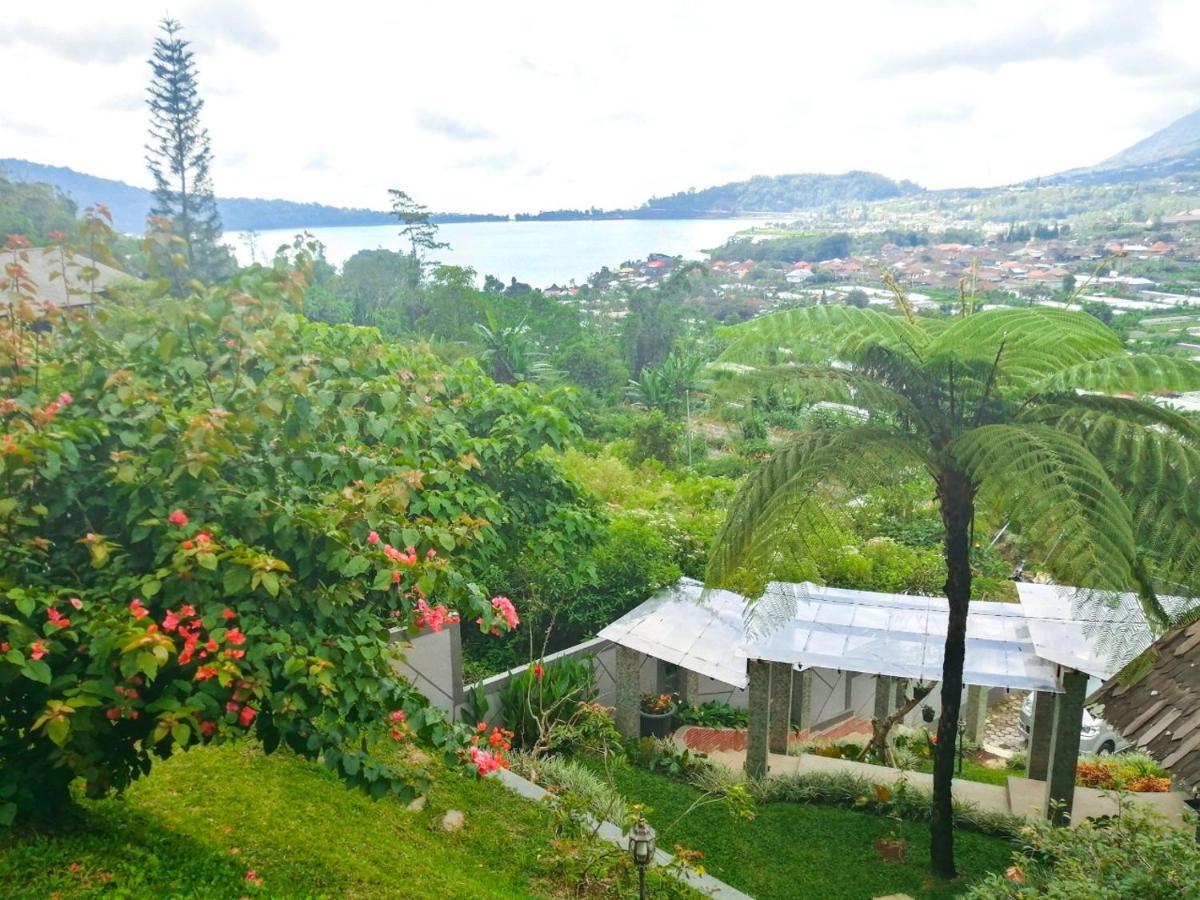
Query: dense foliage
x,y
211,513
34,210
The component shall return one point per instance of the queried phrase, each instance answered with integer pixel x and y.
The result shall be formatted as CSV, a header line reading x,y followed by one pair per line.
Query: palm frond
x,y
821,333
1057,489
784,495
1135,373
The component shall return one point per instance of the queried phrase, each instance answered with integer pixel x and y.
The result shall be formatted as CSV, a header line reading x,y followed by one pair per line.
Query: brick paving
x,y
724,740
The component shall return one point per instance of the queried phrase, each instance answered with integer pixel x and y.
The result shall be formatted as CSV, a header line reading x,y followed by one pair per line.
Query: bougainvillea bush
x,y
212,511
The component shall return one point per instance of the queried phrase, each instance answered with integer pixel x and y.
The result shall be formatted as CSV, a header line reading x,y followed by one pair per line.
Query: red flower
x,y
398,716
5,647
170,621
247,716
203,538
187,545
135,607
178,517
205,672
187,611
235,637
112,714
373,537
538,671
57,618
228,614
232,706
37,650
234,654
207,728
76,602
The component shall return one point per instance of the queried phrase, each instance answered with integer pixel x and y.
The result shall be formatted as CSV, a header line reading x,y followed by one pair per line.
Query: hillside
x,y
781,193
129,204
1180,138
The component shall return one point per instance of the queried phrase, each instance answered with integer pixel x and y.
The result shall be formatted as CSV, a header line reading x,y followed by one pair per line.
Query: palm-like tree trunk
x,y
956,494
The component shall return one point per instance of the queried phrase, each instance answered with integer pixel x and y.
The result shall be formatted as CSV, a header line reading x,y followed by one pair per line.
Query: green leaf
x,y
8,813
37,670
270,581
147,663
181,734
58,729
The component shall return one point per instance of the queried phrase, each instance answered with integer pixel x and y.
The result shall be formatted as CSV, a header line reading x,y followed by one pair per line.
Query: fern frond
x,y
783,494
1061,495
822,333
1135,373
1079,412
816,384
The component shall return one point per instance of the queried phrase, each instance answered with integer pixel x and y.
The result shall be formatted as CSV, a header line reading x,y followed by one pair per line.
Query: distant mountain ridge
x,y
129,204
781,194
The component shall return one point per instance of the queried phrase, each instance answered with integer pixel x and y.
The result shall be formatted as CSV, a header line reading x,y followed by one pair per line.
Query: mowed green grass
x,y
800,851
204,818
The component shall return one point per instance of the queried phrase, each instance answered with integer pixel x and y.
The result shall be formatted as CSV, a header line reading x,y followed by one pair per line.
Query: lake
x,y
539,253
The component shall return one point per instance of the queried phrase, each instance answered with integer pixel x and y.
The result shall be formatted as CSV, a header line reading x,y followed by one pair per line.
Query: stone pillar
x,y
1041,727
628,717
689,687
759,701
901,693
975,712
780,706
1064,747
884,696
801,698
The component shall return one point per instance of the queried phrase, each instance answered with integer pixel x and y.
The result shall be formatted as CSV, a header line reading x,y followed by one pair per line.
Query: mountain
x,y
780,194
1180,138
129,204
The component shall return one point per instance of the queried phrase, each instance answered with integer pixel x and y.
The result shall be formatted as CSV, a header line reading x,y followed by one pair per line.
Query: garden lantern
x,y
641,848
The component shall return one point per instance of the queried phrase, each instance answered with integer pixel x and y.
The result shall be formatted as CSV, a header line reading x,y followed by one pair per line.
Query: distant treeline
x,y
840,245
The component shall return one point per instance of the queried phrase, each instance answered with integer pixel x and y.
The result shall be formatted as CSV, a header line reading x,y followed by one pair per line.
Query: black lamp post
x,y
641,848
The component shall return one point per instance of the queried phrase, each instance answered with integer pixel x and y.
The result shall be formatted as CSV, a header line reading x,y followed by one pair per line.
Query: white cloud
x,y
523,106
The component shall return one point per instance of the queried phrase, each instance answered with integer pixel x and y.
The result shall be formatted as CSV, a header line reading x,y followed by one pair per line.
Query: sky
x,y
516,106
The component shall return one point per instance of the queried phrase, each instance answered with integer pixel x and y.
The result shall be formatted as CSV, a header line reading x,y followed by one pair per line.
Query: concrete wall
x,y
432,661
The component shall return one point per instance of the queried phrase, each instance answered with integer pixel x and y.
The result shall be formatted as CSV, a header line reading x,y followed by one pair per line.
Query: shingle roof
x,y
1155,702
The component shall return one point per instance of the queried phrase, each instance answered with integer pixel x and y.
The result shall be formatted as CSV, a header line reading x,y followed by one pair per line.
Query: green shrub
x,y
1018,762
665,756
559,774
543,695
1135,854
203,507
655,437
714,714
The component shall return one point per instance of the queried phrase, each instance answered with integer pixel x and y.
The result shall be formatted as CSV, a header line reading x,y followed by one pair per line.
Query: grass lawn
x,y
794,850
973,771
204,818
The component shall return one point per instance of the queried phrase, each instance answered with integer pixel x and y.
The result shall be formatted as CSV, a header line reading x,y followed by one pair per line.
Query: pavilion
x,y
1050,643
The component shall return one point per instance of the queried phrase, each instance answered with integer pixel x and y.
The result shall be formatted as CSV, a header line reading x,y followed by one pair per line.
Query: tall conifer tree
x,y
178,155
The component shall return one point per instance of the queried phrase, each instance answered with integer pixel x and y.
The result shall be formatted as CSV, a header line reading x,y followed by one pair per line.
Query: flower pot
x,y
657,724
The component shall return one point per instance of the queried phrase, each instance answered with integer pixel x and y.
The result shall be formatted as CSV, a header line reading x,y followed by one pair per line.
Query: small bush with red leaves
x,y
213,512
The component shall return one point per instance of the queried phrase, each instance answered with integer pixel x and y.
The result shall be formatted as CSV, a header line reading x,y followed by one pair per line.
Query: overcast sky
x,y
511,106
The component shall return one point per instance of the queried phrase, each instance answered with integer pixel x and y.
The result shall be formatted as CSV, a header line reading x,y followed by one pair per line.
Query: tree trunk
x,y
956,494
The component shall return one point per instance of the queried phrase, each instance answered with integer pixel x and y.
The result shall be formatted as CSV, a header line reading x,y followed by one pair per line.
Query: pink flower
x,y
434,618
373,537
170,621
205,672
505,607
247,716
235,637
430,553
76,602
57,618
179,517
486,762
228,614
232,706
112,714
203,538
207,728
398,716
187,611
135,607
37,650
65,399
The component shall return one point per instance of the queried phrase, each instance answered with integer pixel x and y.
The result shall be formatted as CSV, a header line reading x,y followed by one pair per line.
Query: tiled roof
x,y
1155,702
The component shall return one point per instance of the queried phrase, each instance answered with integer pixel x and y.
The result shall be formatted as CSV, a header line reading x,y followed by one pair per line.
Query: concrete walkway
x,y
1020,795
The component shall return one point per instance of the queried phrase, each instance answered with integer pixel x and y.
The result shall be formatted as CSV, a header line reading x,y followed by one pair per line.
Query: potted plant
x,y
657,711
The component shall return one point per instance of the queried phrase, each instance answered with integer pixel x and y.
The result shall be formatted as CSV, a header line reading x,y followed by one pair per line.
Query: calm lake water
x,y
540,253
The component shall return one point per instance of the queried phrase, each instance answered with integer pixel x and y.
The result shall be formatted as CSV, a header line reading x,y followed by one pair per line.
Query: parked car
x,y
1096,737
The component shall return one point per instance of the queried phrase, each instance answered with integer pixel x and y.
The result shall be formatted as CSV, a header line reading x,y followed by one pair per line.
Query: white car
x,y
1096,737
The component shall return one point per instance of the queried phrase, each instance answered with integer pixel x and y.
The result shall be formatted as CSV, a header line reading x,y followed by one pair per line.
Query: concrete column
x,y
780,707
901,693
884,696
801,698
1041,728
759,701
1064,747
975,712
628,712
689,687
